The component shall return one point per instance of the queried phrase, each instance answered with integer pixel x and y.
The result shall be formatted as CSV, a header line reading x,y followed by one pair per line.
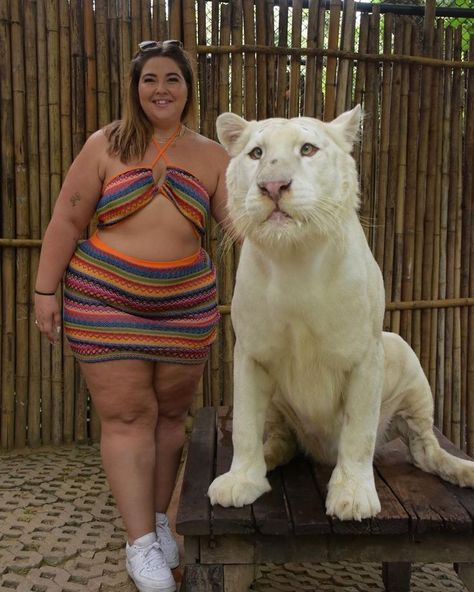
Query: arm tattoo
x,y
75,199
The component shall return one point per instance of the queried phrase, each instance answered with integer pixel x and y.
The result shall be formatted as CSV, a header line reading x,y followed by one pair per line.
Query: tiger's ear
x,y
345,128
231,131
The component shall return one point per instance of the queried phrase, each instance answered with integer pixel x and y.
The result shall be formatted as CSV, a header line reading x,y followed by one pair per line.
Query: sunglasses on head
x,y
145,46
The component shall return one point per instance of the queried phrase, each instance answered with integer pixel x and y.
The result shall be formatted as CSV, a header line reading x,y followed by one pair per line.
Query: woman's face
x,y
162,91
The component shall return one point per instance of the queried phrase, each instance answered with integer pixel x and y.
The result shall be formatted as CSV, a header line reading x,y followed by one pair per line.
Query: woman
x,y
140,298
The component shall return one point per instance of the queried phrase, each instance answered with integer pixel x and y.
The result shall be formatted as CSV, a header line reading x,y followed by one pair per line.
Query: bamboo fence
x,y
62,68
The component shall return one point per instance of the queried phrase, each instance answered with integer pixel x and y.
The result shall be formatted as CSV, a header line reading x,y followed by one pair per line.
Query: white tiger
x,y
310,353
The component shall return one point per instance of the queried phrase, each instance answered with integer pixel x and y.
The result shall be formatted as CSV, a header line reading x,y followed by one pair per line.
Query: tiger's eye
x,y
308,150
256,153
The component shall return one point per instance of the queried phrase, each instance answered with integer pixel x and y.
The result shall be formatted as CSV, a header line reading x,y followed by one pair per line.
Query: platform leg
x,y
203,578
396,576
465,572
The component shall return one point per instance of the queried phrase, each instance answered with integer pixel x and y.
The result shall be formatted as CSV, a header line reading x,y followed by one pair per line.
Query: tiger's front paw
x,y
236,489
352,496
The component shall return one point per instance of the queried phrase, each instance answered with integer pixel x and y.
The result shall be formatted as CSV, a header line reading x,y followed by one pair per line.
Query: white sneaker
x,y
166,540
147,566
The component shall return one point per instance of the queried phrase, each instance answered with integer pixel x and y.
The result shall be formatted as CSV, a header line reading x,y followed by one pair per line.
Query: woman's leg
x,y
123,394
175,386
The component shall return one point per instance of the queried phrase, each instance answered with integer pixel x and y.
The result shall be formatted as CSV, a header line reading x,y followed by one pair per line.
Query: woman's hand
x,y
48,316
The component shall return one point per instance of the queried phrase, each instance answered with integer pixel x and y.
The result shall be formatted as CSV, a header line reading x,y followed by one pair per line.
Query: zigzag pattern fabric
x,y
118,307
132,189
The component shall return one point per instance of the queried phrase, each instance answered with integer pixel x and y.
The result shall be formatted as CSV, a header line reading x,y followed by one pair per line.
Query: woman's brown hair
x,y
129,137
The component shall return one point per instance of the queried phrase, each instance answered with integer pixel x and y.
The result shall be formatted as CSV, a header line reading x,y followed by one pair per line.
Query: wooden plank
x,y
429,503
392,519
464,495
269,510
228,520
306,506
193,516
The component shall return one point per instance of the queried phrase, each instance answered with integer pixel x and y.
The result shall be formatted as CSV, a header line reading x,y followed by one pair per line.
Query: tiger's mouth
x,y
278,216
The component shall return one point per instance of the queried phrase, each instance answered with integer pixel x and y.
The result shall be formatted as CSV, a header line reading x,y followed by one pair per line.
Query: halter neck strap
x,y
163,147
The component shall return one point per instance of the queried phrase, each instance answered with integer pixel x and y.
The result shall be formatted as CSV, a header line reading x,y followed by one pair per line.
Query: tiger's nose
x,y
274,188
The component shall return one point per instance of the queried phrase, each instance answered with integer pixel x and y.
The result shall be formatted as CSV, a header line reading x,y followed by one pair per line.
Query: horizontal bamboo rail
x,y
334,53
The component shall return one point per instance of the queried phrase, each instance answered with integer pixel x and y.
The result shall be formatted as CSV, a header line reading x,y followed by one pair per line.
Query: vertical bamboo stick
x,y
45,195
102,63
53,48
34,341
114,63
90,53
330,99
384,147
282,70
189,39
21,287
146,10
159,22
319,80
270,59
250,62
443,394
295,62
345,66
392,170
174,8
310,89
125,43
469,190
454,241
237,61
135,24
261,38
410,199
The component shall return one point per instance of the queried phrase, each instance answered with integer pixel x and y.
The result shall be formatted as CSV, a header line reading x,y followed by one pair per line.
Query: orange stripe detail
x,y
97,242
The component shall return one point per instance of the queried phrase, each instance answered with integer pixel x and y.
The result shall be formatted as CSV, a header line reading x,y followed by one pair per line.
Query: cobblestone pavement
x,y
60,531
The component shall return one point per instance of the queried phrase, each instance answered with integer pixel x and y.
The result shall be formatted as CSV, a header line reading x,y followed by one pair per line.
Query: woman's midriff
x,y
158,232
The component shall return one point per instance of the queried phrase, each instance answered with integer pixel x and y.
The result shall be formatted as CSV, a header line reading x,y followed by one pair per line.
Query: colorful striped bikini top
x,y
130,190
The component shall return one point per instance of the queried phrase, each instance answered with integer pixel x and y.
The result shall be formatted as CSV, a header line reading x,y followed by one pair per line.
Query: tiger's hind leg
x,y
280,443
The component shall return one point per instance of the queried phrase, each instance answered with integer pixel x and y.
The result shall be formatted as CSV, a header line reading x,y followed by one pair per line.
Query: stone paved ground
x,y
60,531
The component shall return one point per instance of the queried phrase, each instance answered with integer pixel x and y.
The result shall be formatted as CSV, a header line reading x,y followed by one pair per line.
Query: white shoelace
x,y
151,560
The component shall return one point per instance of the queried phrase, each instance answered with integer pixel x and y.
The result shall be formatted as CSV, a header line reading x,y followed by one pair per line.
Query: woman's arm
x,y
220,159
72,213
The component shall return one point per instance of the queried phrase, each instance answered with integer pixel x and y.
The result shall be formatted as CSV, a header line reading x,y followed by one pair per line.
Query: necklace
x,y
175,135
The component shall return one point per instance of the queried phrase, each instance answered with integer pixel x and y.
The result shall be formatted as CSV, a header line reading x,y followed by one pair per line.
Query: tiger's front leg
x,y
351,490
246,480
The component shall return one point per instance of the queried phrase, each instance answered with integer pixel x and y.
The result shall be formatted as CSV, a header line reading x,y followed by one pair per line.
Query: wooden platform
x,y
423,519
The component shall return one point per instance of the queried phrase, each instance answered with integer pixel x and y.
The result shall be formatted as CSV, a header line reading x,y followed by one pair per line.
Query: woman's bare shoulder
x,y
210,149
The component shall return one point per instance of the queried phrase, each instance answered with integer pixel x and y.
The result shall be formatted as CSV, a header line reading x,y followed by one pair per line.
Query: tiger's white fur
x,y
310,353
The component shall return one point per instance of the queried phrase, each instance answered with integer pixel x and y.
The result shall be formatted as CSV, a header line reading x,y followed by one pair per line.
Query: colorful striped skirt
x,y
118,307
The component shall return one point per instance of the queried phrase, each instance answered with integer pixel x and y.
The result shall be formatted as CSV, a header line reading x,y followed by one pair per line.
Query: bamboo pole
x,y
34,341
145,20
21,227
135,24
345,66
469,190
102,63
175,19
114,59
237,59
309,87
90,53
394,211
330,98
294,101
443,392
382,189
45,211
337,53
262,75
53,49
409,221
189,39
282,72
159,26
250,63
429,319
